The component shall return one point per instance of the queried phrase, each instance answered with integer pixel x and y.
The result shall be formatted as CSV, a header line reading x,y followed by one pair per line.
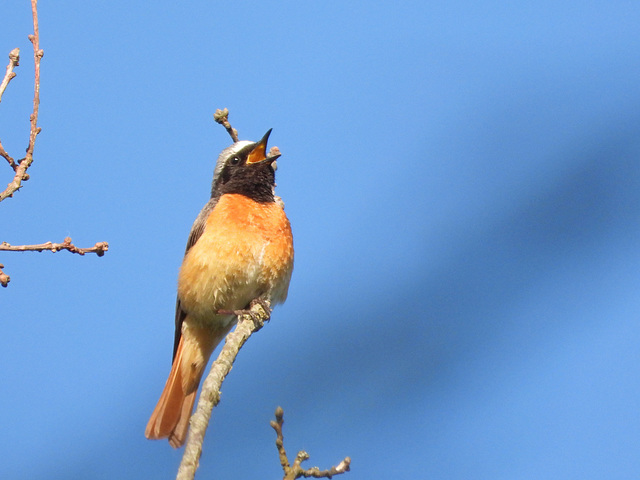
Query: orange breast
x,y
245,251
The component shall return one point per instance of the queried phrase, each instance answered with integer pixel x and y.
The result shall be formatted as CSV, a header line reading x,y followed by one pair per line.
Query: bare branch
x,y
296,471
4,278
248,323
14,61
222,117
20,167
25,163
99,248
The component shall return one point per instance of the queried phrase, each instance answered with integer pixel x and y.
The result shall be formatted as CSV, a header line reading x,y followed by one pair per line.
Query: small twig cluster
x,y
21,166
291,472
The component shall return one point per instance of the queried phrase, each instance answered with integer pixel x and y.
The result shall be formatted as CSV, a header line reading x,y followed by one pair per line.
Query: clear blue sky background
x,y
463,183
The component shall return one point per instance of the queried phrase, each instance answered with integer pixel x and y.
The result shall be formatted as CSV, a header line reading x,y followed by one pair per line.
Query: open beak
x,y
259,152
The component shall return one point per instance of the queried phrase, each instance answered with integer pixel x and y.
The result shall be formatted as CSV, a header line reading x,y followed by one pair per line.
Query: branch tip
x,y
14,56
222,117
14,61
4,278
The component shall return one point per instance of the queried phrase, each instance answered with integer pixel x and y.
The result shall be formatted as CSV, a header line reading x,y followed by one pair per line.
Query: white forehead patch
x,y
235,148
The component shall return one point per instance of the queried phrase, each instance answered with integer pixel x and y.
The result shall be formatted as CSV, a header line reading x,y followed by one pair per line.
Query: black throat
x,y
254,181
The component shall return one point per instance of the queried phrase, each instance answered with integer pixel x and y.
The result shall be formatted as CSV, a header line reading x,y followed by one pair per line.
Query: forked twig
x,y
291,472
25,163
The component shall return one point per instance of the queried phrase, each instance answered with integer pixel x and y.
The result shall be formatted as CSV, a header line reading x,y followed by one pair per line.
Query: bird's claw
x,y
248,311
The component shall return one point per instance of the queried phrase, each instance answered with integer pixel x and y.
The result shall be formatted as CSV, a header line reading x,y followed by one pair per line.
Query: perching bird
x,y
240,249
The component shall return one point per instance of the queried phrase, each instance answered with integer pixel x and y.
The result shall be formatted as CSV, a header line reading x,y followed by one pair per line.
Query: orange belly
x,y
245,252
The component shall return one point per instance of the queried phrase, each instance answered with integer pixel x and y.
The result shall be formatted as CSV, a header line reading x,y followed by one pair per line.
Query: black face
x,y
254,180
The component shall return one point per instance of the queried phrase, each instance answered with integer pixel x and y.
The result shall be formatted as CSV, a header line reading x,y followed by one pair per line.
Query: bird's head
x,y
246,168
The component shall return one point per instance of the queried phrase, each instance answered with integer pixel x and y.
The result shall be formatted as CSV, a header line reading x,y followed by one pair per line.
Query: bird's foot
x,y
249,311
266,306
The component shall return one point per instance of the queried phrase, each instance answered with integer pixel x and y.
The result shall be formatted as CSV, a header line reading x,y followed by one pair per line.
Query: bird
x,y
239,250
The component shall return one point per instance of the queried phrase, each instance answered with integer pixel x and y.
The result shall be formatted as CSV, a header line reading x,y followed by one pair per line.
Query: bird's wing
x,y
194,235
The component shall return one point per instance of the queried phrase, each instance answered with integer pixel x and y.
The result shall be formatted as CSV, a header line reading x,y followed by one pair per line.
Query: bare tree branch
x,y
25,163
210,396
20,167
296,471
14,61
99,248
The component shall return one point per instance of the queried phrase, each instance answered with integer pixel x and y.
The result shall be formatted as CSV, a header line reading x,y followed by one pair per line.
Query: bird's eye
x,y
235,160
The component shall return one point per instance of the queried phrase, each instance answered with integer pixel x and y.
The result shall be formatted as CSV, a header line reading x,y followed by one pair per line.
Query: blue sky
x,y
462,179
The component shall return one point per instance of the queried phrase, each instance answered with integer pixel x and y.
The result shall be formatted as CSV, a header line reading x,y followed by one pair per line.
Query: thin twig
x,y
4,278
8,158
25,163
99,248
296,471
277,426
222,117
14,61
210,395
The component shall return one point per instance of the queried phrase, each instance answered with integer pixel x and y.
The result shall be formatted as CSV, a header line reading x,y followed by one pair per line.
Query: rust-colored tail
x,y
170,418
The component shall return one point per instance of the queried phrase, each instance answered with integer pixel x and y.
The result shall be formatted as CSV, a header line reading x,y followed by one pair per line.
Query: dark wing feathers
x,y
194,235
